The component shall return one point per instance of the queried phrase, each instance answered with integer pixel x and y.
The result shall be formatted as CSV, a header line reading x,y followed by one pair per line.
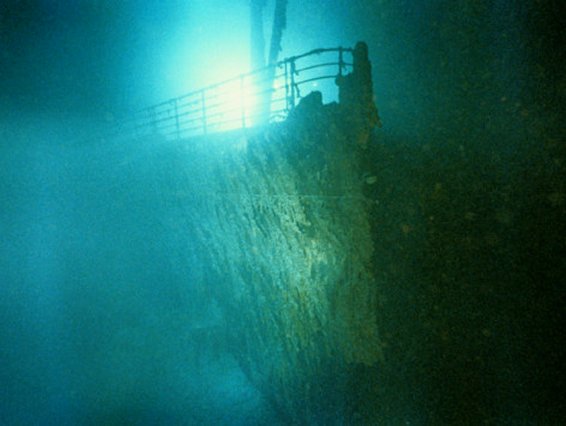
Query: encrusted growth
x,y
282,223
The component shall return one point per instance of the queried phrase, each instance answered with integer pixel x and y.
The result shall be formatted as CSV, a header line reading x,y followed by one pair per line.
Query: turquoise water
x,y
106,317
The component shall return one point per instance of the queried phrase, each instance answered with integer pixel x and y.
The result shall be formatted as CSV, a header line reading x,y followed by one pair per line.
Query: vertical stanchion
x,y
260,97
203,111
243,101
287,100
340,61
153,119
177,128
293,85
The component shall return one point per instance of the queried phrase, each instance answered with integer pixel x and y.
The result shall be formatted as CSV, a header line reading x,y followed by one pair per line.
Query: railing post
x,y
177,128
153,118
293,85
203,111
243,101
287,100
157,119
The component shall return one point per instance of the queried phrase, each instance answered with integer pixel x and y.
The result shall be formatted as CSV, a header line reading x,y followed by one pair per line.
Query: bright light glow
x,y
233,105
213,48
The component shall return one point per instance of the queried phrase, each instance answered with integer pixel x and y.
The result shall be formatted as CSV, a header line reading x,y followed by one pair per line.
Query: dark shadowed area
x,y
291,274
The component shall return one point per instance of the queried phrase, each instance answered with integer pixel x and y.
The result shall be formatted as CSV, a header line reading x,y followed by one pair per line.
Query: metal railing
x,y
248,100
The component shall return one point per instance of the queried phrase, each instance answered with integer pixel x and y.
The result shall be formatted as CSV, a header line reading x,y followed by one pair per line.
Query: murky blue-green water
x,y
103,316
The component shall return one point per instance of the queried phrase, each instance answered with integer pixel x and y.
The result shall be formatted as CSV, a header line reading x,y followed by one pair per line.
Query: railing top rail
x,y
316,52
247,100
238,77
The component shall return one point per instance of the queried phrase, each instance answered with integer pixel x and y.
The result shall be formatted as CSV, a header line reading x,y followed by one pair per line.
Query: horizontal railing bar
x,y
311,67
195,102
317,52
191,120
240,101
257,71
325,77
